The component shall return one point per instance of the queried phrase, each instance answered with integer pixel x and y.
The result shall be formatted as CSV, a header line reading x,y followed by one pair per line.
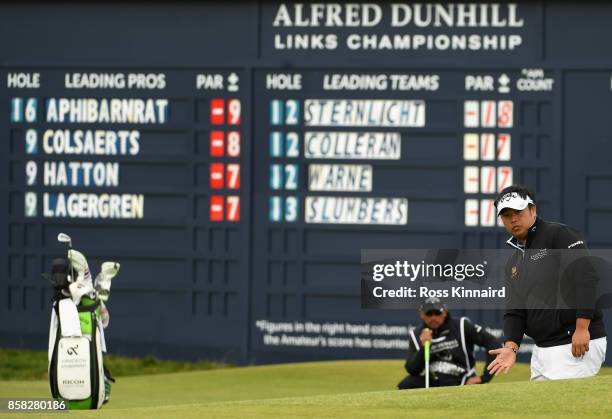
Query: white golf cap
x,y
513,200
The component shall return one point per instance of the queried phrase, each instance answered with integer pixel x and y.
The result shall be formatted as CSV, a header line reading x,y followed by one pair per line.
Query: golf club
x,y
427,345
65,238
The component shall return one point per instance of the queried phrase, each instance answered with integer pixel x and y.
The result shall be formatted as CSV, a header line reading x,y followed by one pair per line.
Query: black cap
x,y
432,304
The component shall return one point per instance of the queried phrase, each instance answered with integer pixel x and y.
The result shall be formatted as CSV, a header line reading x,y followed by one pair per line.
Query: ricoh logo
x,y
73,382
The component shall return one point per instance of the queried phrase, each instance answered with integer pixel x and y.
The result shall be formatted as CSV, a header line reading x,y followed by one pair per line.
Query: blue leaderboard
x,y
236,160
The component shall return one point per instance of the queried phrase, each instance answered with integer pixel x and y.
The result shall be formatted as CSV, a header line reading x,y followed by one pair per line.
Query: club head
x,y
64,238
110,269
103,280
78,261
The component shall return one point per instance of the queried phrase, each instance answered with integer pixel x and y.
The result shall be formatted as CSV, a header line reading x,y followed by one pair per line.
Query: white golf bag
x,y
76,334
76,372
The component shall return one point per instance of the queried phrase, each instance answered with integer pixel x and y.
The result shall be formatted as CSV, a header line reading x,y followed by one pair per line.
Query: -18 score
x,y
488,114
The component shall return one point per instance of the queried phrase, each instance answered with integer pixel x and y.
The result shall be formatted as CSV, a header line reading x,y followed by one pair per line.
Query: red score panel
x,y
216,207
228,207
217,175
217,143
217,111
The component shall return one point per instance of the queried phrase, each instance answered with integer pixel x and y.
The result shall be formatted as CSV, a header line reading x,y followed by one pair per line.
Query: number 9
x,y
30,204
31,138
31,171
233,110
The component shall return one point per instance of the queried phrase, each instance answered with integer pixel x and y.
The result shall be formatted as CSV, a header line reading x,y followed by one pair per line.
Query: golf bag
x,y
76,372
76,334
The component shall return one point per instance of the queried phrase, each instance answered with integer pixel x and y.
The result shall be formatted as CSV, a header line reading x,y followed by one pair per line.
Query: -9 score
x,y
222,112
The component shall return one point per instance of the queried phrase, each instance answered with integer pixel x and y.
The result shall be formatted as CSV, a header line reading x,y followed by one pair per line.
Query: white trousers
x,y
558,363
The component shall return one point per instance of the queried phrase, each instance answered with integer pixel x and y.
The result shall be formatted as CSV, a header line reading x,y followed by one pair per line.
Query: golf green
x,y
336,389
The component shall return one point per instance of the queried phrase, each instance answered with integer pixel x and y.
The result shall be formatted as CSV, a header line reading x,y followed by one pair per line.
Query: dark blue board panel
x,y
232,244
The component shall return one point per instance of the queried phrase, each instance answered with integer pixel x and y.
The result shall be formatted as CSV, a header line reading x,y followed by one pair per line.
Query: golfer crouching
x,y
452,341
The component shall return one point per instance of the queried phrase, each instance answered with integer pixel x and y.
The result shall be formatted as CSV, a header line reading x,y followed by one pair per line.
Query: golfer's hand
x,y
504,360
425,336
580,342
474,380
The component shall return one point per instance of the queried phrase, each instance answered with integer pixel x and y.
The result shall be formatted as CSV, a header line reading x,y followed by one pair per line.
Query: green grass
x,y
21,364
336,389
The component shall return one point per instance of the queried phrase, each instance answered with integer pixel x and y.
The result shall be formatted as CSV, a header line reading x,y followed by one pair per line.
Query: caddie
x,y
452,360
